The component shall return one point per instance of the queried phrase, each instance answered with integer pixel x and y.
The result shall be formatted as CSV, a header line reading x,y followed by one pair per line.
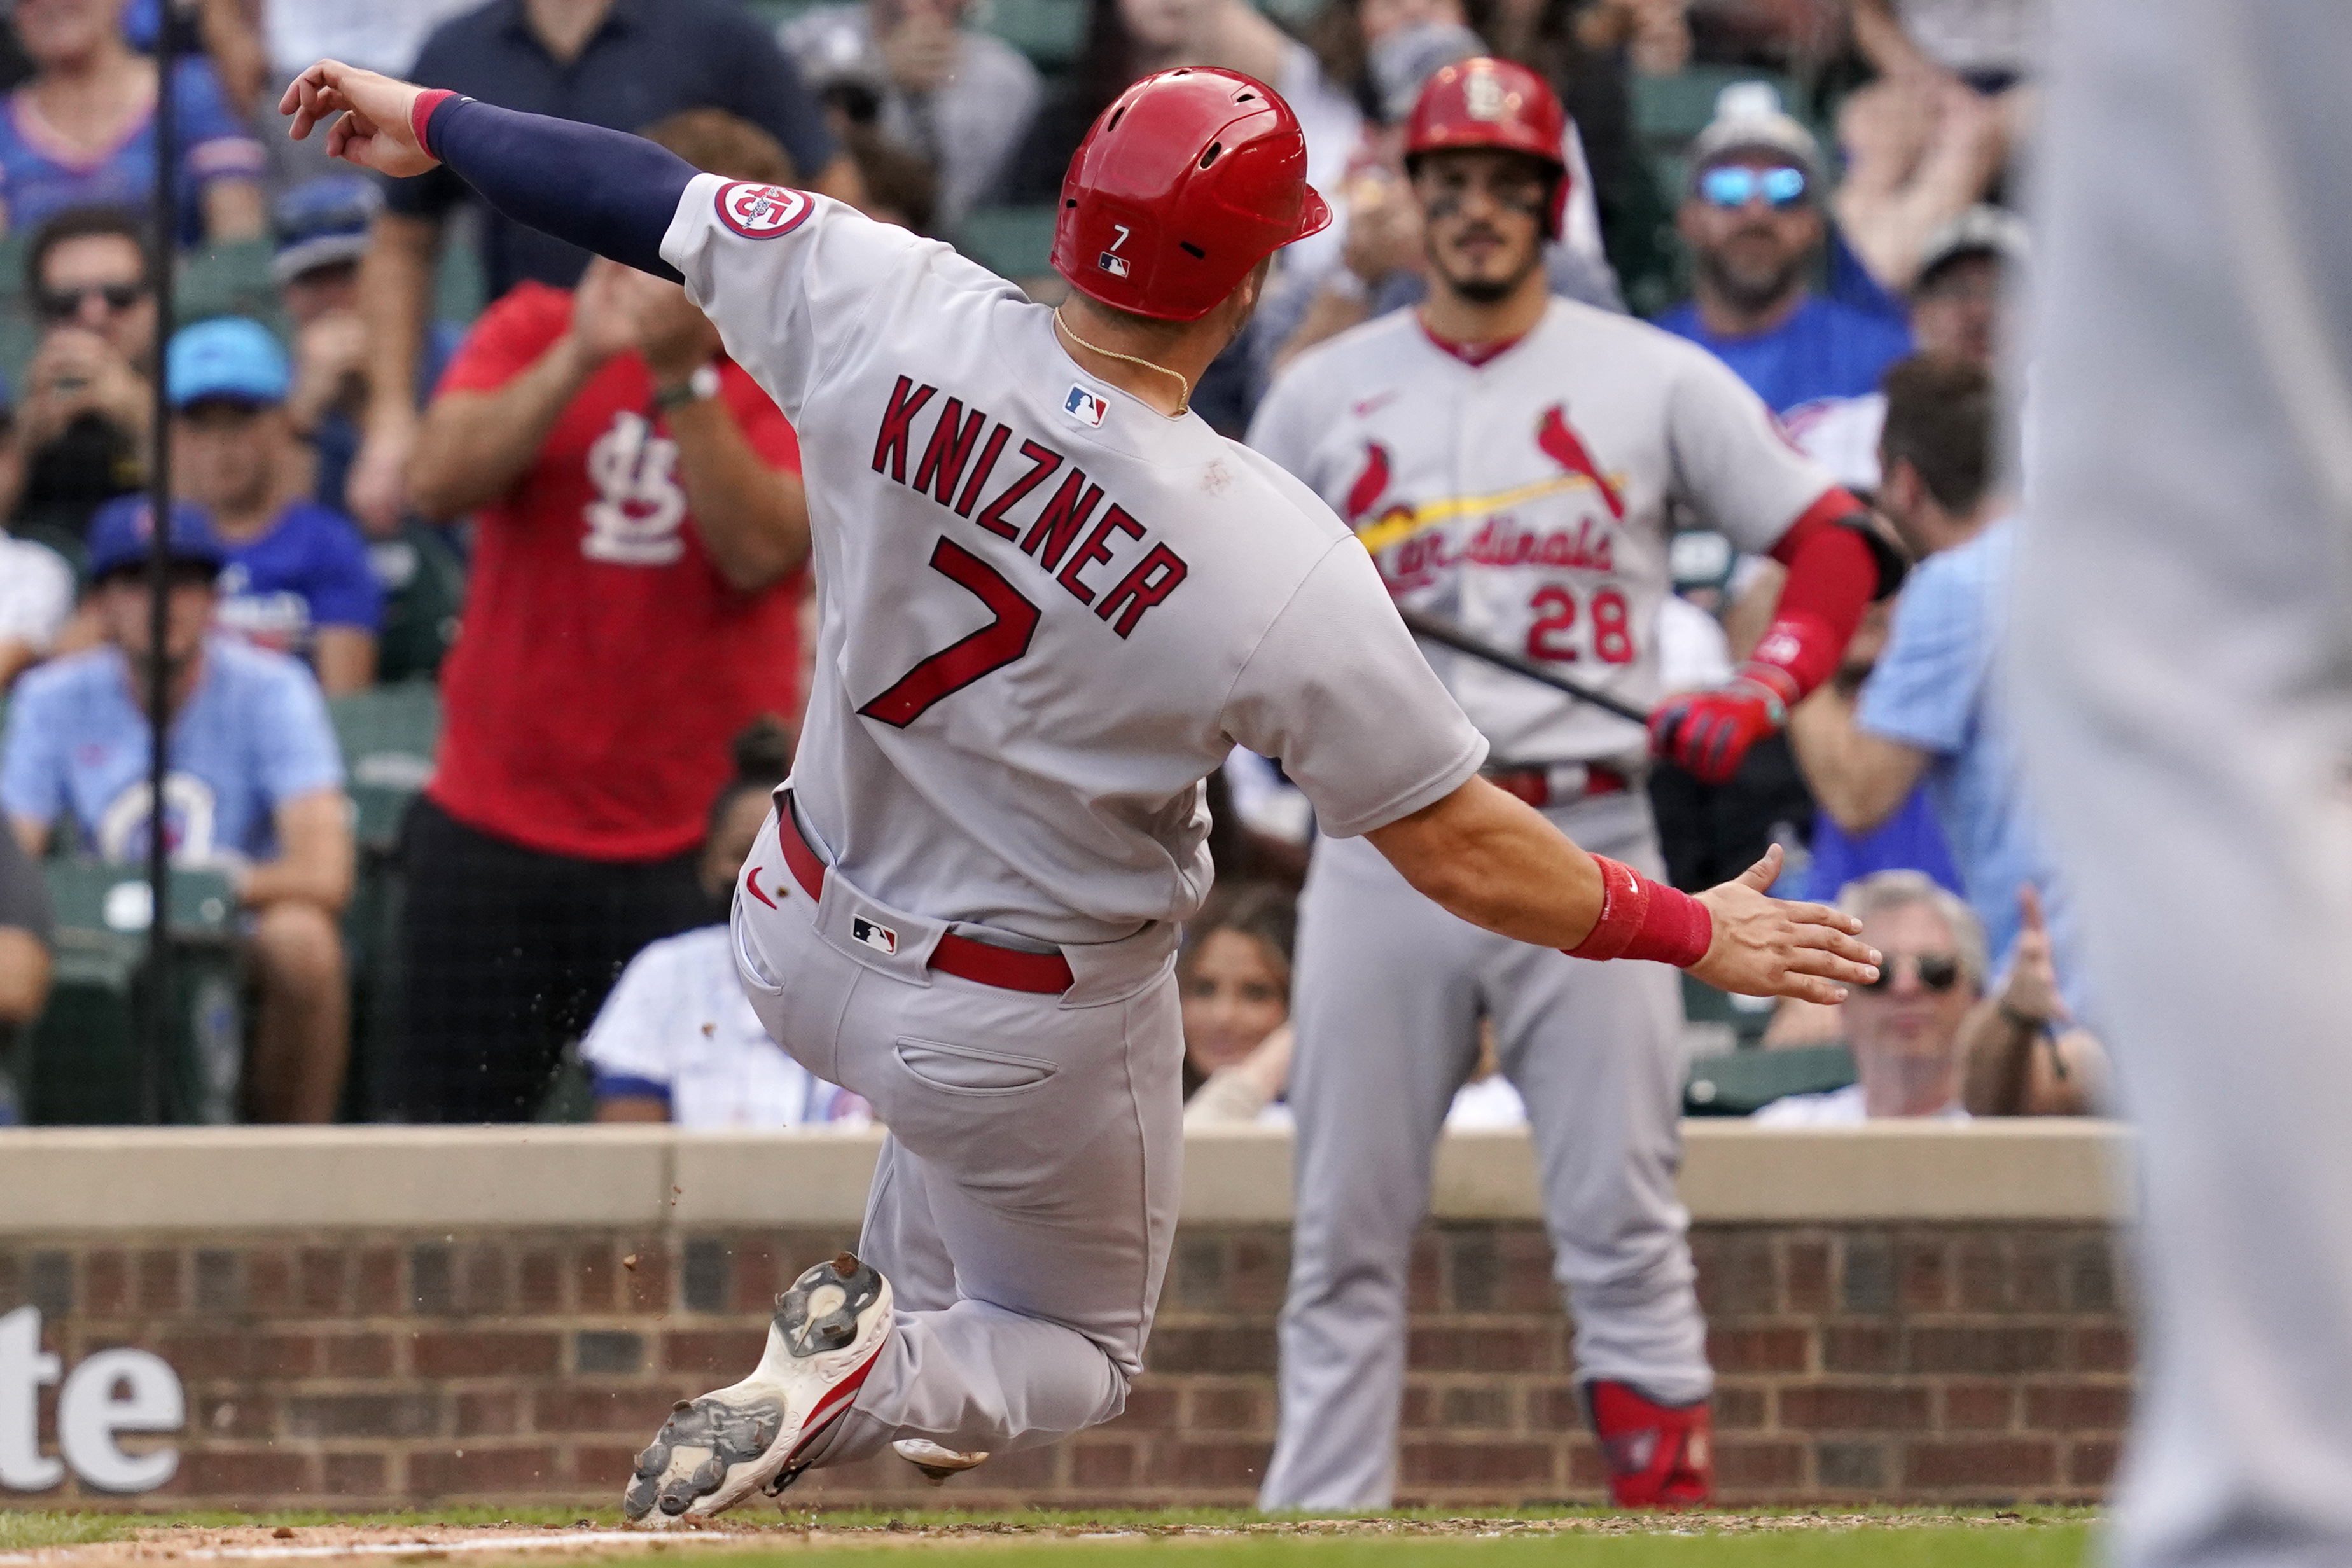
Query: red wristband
x,y
1644,919
420,114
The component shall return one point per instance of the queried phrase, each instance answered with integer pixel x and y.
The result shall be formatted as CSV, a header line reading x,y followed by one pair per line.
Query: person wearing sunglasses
x,y
1904,1028
1753,216
83,427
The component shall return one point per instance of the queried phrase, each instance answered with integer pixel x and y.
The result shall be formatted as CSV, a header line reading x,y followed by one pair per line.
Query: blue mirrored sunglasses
x,y
1736,185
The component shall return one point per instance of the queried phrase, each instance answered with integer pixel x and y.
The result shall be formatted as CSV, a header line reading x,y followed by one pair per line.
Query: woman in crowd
x,y
1234,975
81,133
677,1041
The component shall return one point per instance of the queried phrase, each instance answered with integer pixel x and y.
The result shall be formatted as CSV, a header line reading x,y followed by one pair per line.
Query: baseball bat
x,y
1445,632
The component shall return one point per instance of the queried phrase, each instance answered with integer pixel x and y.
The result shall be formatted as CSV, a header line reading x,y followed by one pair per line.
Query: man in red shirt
x,y
640,533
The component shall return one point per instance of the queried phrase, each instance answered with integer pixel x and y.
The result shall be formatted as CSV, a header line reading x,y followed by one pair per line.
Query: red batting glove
x,y
1709,732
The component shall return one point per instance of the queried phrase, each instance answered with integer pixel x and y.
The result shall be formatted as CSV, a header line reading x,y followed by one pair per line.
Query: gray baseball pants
x,y
1027,1192
1388,992
2183,670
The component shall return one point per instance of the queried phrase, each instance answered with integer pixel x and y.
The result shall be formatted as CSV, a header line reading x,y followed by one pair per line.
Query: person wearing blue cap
x,y
297,576
254,787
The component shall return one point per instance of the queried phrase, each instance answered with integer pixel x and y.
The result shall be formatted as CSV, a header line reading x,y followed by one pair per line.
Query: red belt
x,y
1533,785
1047,974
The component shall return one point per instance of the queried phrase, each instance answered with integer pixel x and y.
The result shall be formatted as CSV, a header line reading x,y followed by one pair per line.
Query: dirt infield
x,y
200,1542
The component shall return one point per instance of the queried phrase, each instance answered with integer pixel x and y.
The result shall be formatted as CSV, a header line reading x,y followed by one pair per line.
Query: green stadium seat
x,y
231,279
1669,111
425,593
1012,242
388,736
1050,32
1746,1017
1740,1081
81,1063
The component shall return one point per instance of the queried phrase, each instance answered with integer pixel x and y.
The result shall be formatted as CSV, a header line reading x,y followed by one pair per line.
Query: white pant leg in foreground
x,y
2183,662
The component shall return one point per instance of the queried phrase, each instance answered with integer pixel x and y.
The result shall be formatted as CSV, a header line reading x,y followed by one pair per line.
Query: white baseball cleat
x,y
936,1462
715,1451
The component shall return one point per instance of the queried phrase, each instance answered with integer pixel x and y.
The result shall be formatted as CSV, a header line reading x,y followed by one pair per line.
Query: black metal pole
x,y
154,1101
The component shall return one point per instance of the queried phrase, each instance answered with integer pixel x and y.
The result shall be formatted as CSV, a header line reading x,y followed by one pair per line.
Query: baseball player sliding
x,y
1053,602
1508,459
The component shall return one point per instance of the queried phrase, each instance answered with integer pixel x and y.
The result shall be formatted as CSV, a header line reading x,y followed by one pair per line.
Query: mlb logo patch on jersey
x,y
1084,407
761,212
881,938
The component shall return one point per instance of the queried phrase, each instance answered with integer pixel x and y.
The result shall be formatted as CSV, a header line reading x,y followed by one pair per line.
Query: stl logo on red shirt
x,y
635,519
761,212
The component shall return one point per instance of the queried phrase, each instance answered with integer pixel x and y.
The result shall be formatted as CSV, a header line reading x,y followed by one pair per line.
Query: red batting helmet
x,y
1191,178
1486,102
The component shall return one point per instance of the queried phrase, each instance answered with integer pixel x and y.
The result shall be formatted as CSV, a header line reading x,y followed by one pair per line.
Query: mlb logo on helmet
x,y
881,938
1084,407
1113,264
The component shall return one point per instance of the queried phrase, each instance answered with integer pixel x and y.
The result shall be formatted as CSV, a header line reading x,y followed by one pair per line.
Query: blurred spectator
x,y
1753,219
1589,53
37,594
953,96
1234,975
83,427
1969,279
677,1041
297,577
1130,39
1903,1028
1932,134
298,34
640,524
1910,839
900,187
1927,1045
1930,709
322,229
254,789
82,134
617,63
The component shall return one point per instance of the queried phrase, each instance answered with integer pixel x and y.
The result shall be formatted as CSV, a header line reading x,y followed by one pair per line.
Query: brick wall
x,y
1919,1361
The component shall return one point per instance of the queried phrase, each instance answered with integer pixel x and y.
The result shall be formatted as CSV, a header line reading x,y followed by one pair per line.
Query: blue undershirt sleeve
x,y
603,190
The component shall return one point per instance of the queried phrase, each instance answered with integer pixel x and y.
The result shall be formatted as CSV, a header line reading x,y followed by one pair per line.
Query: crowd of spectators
x,y
629,509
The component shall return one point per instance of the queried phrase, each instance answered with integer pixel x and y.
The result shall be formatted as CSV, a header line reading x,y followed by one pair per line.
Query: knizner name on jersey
x,y
984,471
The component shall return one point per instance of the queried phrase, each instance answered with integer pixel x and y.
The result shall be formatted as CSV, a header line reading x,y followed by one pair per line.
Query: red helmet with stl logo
x,y
1492,103
1190,179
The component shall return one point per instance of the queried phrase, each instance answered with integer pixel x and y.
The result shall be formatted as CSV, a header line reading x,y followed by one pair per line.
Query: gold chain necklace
x,y
1185,397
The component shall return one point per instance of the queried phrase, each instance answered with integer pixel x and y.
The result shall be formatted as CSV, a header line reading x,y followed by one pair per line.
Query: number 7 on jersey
x,y
961,662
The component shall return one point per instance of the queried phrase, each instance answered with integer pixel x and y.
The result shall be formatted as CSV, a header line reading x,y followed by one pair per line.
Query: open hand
x,y
375,129
1767,947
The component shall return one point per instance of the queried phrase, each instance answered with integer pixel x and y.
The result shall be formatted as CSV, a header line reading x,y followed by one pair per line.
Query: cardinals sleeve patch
x,y
761,212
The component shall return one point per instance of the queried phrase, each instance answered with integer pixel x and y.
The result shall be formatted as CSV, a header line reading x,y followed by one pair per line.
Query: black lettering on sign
x,y
1043,461
944,458
1155,577
905,401
1097,548
1062,518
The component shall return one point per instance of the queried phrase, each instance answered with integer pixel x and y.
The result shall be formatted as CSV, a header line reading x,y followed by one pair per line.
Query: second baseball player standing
x,y
1508,458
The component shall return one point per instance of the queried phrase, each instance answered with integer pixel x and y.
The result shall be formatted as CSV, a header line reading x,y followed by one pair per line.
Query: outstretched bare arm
x,y
1496,861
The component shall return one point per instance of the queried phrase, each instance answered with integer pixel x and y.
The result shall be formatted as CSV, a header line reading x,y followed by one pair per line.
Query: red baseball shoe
x,y
1659,1456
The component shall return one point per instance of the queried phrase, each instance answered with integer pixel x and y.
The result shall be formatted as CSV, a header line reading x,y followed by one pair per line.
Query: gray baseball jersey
x,y
1049,610
1525,499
